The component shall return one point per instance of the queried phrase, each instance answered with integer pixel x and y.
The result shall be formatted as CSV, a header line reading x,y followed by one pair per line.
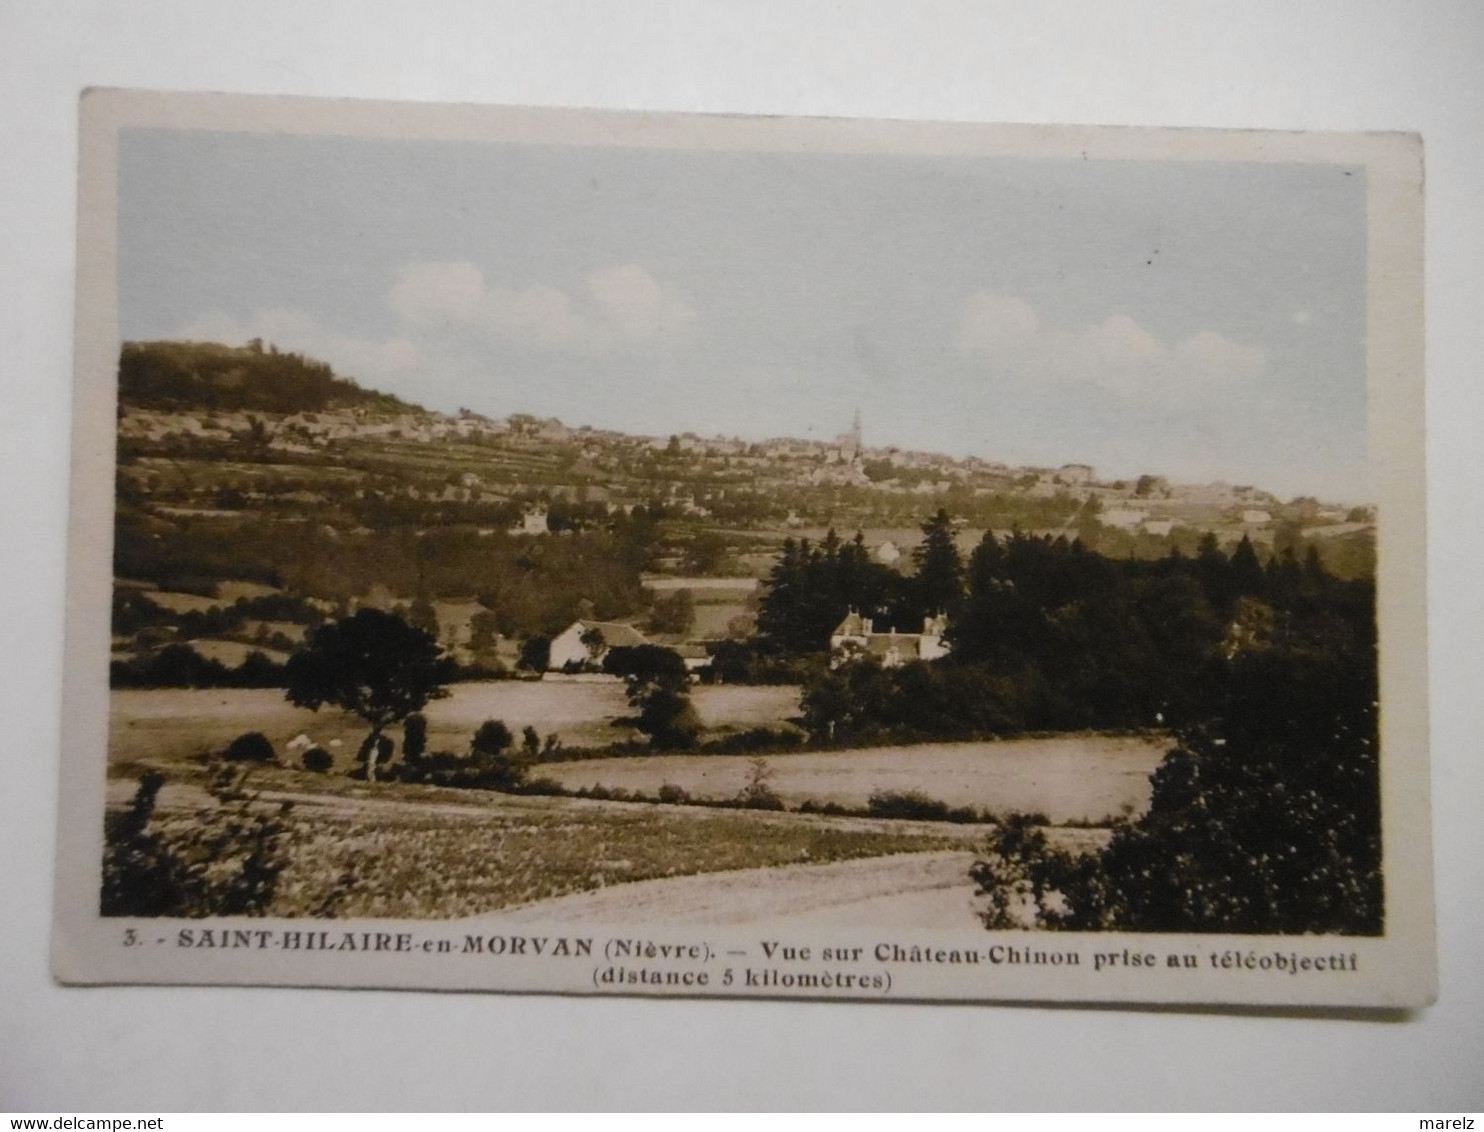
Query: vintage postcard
x,y
581,552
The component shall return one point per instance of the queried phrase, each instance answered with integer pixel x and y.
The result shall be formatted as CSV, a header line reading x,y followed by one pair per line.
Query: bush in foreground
x,y
916,806
1266,820
223,861
250,747
318,760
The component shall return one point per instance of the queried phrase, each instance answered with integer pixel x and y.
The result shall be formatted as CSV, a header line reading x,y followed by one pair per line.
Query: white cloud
x,y
541,313
1117,354
1214,356
635,305
427,293
622,304
992,321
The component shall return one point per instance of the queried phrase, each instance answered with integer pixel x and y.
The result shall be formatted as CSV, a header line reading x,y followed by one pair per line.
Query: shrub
x,y
758,793
602,793
435,768
810,806
535,654
1033,818
1015,874
318,760
756,739
672,795
477,771
250,747
223,861
762,800
670,720
492,738
907,804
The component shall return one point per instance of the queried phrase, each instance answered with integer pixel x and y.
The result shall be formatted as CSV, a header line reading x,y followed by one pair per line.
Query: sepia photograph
x,y
621,553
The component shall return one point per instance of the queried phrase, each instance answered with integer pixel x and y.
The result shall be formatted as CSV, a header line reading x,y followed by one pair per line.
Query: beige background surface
x,y
1376,66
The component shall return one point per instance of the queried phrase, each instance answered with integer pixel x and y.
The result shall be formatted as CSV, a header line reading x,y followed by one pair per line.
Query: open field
x,y
173,723
233,653
703,588
712,619
398,851
1069,778
718,601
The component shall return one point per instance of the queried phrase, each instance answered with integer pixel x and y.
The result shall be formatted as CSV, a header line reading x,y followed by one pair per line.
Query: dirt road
x,y
921,890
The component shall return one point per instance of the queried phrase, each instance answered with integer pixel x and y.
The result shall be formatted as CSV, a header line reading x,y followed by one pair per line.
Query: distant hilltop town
x,y
251,482
187,399
604,462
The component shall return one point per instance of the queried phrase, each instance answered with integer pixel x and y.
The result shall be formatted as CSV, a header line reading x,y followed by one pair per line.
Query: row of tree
x,y
812,587
532,584
1046,634
1265,815
181,666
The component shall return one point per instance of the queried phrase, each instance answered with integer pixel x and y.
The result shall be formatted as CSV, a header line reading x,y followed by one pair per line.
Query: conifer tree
x,y
940,569
1214,572
1247,575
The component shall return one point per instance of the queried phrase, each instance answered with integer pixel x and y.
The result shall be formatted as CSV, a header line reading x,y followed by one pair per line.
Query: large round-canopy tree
x,y
373,664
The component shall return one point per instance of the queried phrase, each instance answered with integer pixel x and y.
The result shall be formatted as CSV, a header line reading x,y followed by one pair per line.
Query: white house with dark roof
x,y
856,637
570,651
533,521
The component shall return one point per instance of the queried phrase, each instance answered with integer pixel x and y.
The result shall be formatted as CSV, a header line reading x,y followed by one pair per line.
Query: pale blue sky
x,y
1197,320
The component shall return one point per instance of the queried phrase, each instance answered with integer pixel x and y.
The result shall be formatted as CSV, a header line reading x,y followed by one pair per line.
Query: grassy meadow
x,y
158,725
1069,778
394,849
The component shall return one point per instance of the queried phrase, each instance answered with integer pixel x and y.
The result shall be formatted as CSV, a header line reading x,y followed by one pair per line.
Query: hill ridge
x,y
178,374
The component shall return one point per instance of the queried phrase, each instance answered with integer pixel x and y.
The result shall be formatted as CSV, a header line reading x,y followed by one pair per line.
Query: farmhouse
x,y
585,643
533,521
856,637
694,654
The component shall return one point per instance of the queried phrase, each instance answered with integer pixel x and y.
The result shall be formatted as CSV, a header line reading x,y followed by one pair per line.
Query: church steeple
x,y
855,431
